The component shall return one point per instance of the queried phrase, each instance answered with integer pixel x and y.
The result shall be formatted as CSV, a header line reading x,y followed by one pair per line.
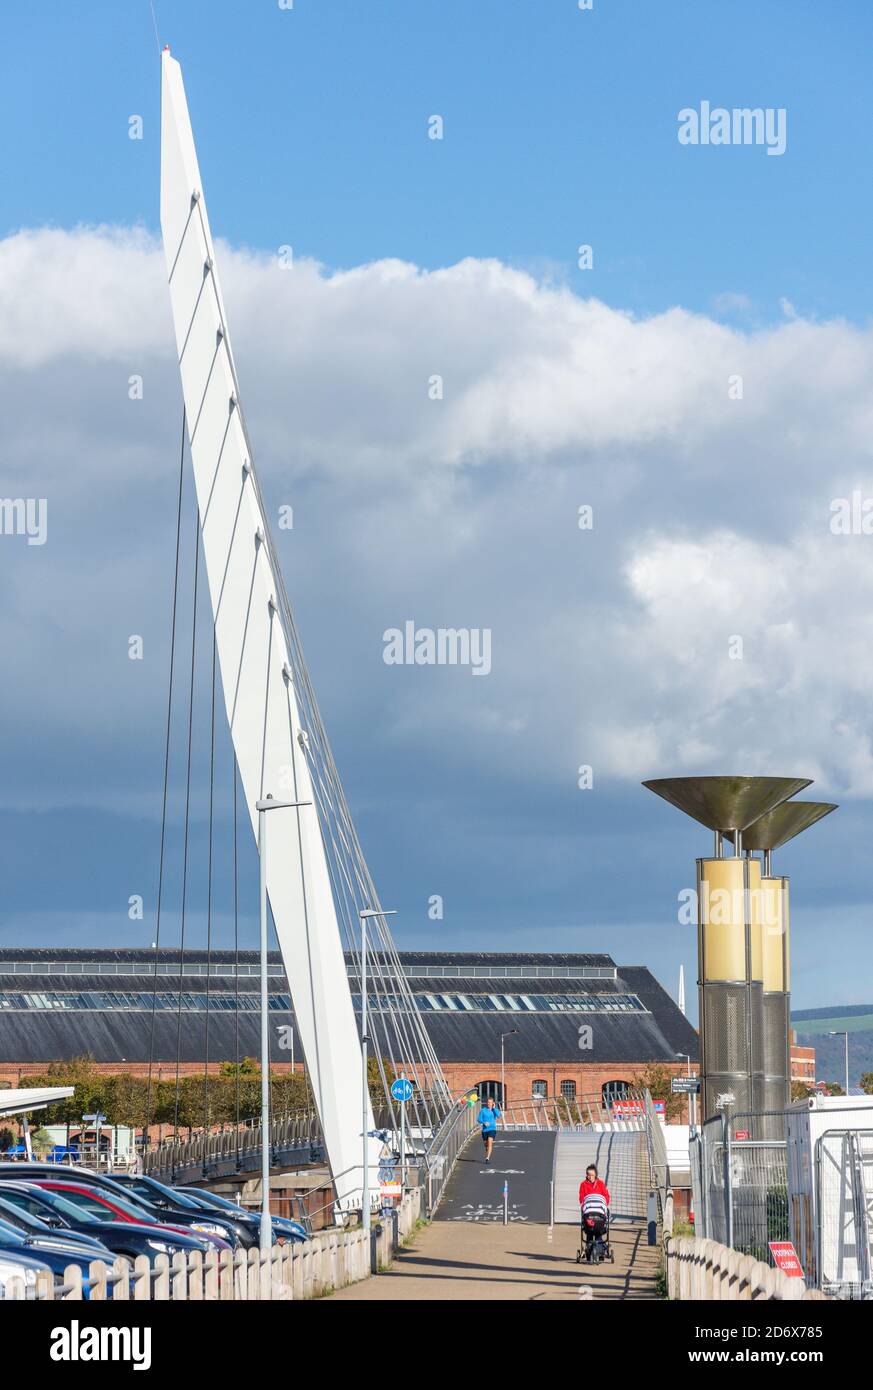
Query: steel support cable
x,y
384,935
166,783
284,606
296,797
341,899
187,820
397,1040
236,952
209,893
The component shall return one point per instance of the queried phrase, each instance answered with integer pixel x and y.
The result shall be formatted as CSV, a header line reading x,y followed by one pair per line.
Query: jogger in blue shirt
x,y
487,1118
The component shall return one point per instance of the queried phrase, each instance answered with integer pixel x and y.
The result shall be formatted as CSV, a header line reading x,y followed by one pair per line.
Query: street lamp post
x,y
840,1033
691,1107
503,1065
266,1225
367,913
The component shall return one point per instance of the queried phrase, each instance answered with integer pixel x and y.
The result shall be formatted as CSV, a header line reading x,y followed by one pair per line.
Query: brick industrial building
x,y
572,1025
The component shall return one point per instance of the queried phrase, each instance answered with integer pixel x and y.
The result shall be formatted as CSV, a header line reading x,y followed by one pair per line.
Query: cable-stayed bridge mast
x,y
317,879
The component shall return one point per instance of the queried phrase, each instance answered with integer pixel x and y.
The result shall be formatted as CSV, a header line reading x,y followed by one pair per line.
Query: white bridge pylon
x,y
257,670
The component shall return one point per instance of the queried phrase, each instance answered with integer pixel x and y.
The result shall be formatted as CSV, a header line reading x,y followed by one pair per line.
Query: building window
x,y
568,1090
490,1088
614,1090
539,1090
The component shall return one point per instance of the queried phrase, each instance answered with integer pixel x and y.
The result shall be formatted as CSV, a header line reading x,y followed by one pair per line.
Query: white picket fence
x,y
330,1260
702,1270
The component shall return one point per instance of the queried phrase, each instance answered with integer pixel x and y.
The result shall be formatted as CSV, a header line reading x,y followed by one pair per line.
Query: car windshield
x,y
85,1201
10,1233
18,1217
45,1203
148,1190
205,1200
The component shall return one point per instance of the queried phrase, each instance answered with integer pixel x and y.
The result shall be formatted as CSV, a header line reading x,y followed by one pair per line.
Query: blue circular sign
x,y
401,1089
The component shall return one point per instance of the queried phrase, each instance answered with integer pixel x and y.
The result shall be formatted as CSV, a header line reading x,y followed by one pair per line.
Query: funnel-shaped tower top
x,y
727,803
781,824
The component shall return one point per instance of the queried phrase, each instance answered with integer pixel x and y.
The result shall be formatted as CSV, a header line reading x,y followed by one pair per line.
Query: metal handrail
x,y
584,1112
300,1130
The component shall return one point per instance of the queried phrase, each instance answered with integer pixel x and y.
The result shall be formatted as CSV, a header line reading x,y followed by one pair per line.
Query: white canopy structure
x,y
19,1102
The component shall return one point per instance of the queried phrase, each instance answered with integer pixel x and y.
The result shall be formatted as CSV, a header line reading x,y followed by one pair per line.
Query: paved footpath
x,y
479,1261
468,1254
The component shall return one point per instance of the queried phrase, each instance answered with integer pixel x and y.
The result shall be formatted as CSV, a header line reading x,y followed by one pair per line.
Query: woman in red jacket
x,y
594,1202
592,1186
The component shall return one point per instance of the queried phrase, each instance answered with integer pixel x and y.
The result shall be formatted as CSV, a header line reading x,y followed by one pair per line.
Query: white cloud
x,y
609,647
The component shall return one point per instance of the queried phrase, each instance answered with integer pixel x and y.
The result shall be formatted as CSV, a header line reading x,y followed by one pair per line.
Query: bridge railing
x,y
585,1112
443,1151
236,1149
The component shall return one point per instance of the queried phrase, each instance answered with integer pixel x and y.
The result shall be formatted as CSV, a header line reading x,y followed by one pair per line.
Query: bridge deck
x,y
621,1163
468,1254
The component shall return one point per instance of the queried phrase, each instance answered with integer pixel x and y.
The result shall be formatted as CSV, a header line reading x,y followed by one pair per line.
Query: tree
x,y
801,1089
80,1073
125,1100
41,1141
657,1079
867,1083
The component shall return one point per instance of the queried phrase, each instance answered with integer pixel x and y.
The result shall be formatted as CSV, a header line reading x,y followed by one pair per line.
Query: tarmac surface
x,y
523,1161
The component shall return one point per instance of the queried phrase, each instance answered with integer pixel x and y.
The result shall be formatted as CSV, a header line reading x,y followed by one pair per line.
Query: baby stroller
x,y
594,1247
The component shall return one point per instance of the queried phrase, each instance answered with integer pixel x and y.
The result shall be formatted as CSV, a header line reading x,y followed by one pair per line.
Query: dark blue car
x,y
51,1251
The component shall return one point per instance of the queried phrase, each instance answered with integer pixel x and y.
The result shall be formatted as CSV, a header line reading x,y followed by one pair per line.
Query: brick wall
x,y
802,1063
589,1077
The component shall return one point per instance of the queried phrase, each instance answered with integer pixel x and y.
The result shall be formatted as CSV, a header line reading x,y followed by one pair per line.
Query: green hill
x,y
813,1026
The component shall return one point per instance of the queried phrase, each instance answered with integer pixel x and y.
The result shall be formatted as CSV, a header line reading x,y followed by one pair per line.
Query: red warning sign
x,y
785,1258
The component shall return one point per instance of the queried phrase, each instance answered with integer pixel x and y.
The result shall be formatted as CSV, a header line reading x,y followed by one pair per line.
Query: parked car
x,y
212,1227
172,1204
111,1207
37,1226
122,1238
283,1227
14,1265
57,1254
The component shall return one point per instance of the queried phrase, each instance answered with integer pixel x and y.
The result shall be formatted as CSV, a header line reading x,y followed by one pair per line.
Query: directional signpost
x,y
401,1091
685,1085
97,1121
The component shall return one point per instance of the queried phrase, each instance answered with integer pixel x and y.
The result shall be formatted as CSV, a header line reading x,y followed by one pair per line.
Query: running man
x,y
487,1118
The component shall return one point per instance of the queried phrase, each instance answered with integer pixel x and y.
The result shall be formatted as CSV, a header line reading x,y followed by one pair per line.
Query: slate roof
x,y
654,1034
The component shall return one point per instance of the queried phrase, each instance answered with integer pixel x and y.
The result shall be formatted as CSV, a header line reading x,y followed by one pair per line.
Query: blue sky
x,y
560,129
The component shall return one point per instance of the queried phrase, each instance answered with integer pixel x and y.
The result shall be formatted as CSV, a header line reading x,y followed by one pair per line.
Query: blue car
x,y
49,1250
36,1226
282,1226
121,1238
